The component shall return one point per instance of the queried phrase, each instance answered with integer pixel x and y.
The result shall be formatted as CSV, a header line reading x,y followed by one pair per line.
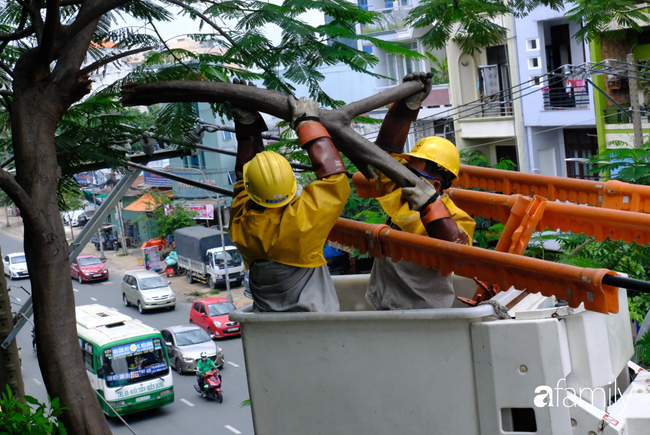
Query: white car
x,y
15,265
78,217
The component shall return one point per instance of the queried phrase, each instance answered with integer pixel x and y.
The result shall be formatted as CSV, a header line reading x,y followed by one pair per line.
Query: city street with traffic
x,y
190,413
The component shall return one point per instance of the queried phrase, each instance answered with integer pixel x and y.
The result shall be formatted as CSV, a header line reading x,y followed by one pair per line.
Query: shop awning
x,y
145,203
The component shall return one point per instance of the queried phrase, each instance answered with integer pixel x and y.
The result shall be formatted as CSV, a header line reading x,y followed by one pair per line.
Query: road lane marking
x,y
75,289
94,299
37,382
233,364
188,403
231,429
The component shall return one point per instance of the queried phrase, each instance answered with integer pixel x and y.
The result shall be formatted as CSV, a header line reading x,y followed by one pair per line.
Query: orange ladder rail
x,y
612,194
574,284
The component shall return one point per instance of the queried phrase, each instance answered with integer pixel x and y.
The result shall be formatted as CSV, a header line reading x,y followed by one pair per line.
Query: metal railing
x,y
614,115
392,19
565,98
489,109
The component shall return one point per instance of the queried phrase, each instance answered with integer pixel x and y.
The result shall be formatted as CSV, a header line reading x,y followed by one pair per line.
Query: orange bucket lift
x,y
528,203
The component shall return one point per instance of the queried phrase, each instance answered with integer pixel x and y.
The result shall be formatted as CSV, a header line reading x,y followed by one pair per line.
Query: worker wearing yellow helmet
x,y
281,235
423,209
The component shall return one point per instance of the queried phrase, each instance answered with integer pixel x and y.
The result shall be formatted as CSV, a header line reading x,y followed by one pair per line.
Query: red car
x,y
211,314
88,268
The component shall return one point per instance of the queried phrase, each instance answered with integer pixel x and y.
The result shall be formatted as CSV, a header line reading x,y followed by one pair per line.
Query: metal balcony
x,y
565,98
392,19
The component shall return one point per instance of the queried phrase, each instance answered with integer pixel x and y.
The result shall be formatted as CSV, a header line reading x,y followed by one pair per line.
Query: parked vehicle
x,y
185,344
201,254
110,238
211,314
147,290
15,265
125,361
78,217
212,386
88,268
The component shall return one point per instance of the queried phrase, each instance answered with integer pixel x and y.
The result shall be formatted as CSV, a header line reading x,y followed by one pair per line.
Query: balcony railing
x,y
565,98
488,109
392,19
614,115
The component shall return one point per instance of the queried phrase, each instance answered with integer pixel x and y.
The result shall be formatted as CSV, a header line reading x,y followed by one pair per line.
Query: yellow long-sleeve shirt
x,y
294,234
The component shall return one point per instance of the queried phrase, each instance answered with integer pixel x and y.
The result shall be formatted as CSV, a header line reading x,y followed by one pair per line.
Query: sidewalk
x,y
118,263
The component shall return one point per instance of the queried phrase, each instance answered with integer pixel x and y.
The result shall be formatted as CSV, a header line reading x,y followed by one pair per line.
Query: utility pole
x,y
7,215
634,103
99,232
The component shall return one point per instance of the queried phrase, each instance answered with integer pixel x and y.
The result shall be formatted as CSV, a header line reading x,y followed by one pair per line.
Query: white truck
x,y
208,259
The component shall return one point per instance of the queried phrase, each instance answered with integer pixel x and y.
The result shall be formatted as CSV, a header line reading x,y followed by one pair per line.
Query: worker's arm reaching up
x,y
395,129
438,221
315,139
249,126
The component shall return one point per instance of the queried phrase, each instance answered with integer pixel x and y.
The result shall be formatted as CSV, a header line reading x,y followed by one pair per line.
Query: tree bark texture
x,y
358,149
41,97
10,372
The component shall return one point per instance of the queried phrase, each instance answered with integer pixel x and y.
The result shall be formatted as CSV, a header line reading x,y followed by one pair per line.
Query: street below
x,y
190,413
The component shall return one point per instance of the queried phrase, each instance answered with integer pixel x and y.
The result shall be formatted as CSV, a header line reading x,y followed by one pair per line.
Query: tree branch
x,y
28,209
89,12
20,34
100,63
21,26
6,68
227,37
337,122
50,30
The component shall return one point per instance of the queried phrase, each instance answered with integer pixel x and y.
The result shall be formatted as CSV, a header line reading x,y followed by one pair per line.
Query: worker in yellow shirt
x,y
281,235
423,209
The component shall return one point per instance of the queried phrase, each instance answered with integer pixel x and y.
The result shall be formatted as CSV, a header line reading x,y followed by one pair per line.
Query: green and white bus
x,y
126,360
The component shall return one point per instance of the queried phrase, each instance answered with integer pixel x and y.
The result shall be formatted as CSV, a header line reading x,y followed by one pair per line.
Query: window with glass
x,y
220,309
399,67
89,261
233,257
189,338
152,282
134,362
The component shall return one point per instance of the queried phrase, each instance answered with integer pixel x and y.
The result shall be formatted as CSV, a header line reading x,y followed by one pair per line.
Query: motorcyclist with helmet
x,y
281,235
423,209
203,366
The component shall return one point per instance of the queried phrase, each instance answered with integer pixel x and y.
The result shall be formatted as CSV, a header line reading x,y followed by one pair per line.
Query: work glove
x,y
303,110
414,102
243,116
420,195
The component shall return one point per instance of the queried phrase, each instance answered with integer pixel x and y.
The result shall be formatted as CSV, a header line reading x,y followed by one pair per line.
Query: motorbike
x,y
211,386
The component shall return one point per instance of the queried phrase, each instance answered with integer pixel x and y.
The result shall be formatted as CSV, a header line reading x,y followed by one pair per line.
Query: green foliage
x,y
642,350
441,74
33,418
639,307
631,165
245,403
472,24
477,158
178,216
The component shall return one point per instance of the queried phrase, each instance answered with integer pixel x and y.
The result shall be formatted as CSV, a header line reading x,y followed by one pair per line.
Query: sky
x,y
182,25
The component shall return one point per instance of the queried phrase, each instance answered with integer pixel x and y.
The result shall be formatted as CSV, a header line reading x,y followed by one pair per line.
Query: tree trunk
x,y
37,109
10,373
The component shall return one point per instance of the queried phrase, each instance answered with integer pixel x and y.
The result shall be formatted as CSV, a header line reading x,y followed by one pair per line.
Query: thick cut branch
x,y
100,63
361,151
6,69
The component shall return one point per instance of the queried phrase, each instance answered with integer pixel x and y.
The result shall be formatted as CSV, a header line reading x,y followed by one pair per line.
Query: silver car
x,y
146,289
185,344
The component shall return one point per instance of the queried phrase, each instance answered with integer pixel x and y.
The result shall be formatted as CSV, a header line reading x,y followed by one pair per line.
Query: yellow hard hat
x,y
438,150
269,180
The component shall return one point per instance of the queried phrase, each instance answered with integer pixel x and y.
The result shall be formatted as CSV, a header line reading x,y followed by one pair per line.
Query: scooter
x,y
211,386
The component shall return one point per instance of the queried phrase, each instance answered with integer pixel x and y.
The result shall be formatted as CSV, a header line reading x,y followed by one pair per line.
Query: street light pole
x,y
223,248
